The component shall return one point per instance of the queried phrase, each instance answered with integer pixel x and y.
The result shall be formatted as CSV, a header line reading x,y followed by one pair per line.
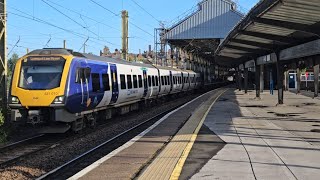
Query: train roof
x,y
62,51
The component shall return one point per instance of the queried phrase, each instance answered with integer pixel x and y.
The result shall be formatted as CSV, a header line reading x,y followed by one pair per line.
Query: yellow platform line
x,y
178,168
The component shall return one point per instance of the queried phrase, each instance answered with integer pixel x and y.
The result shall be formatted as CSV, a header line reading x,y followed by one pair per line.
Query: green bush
x,y
1,118
3,132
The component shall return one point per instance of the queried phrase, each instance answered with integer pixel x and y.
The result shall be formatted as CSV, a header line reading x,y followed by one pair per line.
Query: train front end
x,y
37,92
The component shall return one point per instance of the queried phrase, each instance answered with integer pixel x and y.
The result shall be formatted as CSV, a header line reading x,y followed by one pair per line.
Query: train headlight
x,y
58,100
15,100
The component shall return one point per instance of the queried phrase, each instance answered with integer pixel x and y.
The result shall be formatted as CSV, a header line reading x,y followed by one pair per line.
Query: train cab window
x,y
95,82
153,82
123,81
105,80
129,81
135,81
157,81
149,81
140,81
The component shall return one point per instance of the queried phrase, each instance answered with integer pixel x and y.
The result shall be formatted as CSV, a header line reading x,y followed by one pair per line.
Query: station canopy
x,y
200,32
271,26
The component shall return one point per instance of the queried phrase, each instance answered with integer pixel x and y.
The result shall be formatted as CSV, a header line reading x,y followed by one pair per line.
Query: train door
x,y
83,78
145,83
189,85
114,82
171,81
182,81
159,81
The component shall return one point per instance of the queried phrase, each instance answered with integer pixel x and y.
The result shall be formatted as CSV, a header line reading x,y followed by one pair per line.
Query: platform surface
x,y
133,158
232,136
263,140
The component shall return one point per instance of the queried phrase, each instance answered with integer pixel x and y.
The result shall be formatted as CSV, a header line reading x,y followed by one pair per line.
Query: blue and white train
x,y
59,86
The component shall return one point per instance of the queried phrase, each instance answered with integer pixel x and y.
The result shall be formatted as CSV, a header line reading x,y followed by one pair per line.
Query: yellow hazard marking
x,y
178,168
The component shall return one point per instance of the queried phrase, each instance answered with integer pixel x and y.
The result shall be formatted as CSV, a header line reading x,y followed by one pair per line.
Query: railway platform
x,y
223,134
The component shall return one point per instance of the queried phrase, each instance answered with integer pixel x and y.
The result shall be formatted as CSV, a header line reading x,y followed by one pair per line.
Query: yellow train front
x,y
38,86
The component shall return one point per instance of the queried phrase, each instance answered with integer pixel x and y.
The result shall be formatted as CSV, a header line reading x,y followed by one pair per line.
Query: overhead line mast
x,y
125,34
3,57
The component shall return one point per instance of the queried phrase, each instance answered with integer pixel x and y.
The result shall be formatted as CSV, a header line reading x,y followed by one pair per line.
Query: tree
x,y
11,63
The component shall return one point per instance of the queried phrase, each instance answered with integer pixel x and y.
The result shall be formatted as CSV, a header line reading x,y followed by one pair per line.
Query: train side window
x,y
157,81
82,74
149,81
123,81
135,82
140,81
79,75
162,83
105,80
153,82
168,78
129,81
95,82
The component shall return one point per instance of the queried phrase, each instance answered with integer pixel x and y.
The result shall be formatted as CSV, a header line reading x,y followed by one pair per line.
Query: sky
x,y
36,24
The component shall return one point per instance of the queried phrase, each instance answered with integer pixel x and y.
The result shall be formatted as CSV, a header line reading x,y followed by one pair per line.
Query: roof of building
x,y
271,26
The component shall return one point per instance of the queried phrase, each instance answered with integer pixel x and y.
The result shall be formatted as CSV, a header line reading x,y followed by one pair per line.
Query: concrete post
x,y
240,79
279,79
316,79
257,79
218,75
298,79
261,78
286,80
245,80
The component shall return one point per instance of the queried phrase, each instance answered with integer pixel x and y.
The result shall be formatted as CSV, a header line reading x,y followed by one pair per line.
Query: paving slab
x,y
264,141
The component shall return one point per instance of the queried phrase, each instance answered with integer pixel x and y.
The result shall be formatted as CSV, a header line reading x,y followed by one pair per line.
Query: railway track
x,y
63,170
16,151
